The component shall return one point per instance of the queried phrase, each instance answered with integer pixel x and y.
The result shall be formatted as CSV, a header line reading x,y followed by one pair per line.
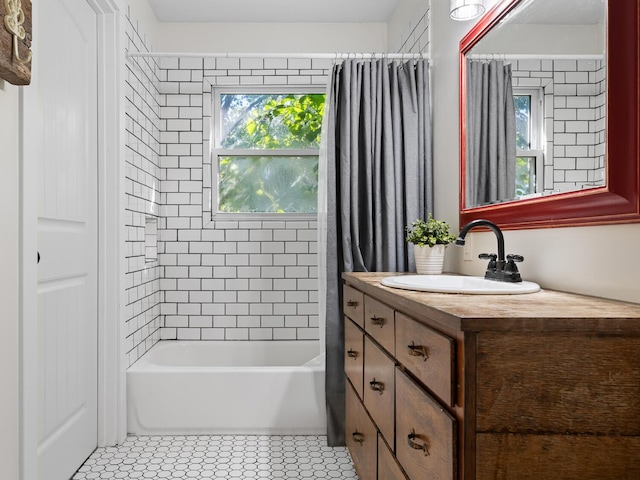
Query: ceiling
x,y
273,11
565,12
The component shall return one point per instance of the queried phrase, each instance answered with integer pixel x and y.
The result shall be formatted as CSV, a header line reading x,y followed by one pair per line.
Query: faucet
x,y
500,269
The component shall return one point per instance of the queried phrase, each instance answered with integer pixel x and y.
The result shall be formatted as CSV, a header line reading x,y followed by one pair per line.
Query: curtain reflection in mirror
x,y
491,133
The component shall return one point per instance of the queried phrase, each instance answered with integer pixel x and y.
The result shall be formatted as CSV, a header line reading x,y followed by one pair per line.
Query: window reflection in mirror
x,y
556,54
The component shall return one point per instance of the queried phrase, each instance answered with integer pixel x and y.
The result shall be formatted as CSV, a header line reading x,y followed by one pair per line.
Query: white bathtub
x,y
213,387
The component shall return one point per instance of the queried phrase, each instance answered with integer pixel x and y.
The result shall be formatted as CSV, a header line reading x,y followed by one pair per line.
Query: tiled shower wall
x,y
252,278
229,279
417,38
574,119
142,184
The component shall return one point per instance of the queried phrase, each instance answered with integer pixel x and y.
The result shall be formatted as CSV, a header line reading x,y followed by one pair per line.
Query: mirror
x,y
566,151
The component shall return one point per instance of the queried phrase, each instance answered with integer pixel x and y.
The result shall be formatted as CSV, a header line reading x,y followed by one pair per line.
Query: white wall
x,y
603,261
276,38
547,39
408,27
574,124
233,280
9,248
144,20
258,37
142,190
253,279
445,38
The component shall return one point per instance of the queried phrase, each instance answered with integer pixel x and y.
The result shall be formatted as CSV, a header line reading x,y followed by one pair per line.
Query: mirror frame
x,y
619,200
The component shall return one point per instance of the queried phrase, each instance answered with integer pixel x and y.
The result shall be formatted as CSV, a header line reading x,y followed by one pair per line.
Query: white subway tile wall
x,y
143,199
574,119
215,279
254,279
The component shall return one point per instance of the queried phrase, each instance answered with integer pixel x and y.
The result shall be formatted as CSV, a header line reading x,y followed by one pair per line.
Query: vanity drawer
x,y
379,323
353,305
379,372
429,355
354,354
361,437
388,468
425,433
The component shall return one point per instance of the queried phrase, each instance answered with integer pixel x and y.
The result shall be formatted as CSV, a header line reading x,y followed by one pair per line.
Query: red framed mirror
x,y
619,200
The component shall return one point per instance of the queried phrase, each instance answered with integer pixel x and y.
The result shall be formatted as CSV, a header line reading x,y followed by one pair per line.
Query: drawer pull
x,y
358,437
418,351
415,445
352,303
378,321
352,353
377,386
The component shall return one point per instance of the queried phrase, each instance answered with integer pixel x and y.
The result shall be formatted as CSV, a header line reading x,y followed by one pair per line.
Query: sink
x,y
458,284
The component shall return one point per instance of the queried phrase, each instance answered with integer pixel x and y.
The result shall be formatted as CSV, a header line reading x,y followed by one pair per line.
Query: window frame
x,y
216,151
536,135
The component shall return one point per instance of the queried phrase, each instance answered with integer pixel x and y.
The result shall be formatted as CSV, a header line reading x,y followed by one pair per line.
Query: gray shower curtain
x,y
491,133
379,179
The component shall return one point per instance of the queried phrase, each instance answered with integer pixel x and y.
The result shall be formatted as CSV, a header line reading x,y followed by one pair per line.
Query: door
x,y
60,139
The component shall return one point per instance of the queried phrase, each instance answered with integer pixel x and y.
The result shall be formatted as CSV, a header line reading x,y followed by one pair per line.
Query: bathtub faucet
x,y
500,269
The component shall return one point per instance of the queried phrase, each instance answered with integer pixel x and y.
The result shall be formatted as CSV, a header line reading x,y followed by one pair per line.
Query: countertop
x,y
546,310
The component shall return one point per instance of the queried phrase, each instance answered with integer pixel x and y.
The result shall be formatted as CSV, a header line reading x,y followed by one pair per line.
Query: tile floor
x,y
219,456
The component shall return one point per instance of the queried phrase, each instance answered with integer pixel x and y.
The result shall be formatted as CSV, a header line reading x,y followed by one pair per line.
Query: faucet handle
x,y
492,257
511,263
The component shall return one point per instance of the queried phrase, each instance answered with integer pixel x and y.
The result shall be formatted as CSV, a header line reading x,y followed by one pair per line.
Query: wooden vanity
x,y
504,387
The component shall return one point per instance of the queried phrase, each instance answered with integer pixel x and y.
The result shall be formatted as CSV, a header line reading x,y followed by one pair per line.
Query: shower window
x,y
265,151
529,134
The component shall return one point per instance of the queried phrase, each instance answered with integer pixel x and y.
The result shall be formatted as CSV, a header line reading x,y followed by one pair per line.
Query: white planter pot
x,y
429,260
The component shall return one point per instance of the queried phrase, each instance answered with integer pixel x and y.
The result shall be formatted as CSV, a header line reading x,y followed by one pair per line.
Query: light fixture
x,y
466,9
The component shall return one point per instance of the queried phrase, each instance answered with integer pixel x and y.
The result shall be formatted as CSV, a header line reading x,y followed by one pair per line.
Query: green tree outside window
x,y
268,155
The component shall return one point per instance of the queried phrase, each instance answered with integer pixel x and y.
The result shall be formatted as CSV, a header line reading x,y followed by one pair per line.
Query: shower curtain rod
x,y
515,56
330,56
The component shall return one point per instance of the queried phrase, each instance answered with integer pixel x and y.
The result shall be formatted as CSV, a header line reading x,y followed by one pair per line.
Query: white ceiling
x,y
274,11
565,12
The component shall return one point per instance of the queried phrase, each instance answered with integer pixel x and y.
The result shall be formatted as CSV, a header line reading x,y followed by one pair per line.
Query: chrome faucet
x,y
500,269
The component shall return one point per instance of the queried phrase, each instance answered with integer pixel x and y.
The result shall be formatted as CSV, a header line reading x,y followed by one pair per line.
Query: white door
x,y
60,136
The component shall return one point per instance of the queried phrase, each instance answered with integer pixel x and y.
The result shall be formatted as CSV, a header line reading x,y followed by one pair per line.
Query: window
x,y
265,152
529,154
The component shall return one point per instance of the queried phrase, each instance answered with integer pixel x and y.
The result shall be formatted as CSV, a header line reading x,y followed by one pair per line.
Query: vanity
x,y
536,386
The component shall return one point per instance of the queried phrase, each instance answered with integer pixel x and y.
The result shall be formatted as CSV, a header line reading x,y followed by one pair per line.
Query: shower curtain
x,y
491,133
375,178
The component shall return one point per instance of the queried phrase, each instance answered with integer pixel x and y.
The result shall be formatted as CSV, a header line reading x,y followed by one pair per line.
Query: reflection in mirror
x,y
536,103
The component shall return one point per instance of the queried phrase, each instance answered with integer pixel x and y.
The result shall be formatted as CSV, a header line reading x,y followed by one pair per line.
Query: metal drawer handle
x,y
415,445
378,321
377,386
352,303
418,351
358,437
352,353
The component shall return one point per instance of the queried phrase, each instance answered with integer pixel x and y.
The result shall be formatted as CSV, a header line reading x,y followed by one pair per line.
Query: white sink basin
x,y
458,284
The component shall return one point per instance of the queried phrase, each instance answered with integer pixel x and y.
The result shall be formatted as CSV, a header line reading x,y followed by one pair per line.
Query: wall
x,y
567,259
268,37
408,27
142,190
248,279
251,278
574,109
9,280
550,39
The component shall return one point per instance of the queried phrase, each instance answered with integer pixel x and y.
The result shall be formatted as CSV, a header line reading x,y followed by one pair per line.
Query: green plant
x,y
429,232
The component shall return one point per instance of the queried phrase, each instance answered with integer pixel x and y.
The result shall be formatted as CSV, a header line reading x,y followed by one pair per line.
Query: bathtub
x,y
214,387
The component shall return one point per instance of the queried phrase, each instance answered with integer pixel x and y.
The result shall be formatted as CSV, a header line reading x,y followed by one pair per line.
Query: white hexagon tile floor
x,y
241,457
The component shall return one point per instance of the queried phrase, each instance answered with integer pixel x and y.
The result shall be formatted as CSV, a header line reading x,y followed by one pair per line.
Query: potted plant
x,y
430,238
